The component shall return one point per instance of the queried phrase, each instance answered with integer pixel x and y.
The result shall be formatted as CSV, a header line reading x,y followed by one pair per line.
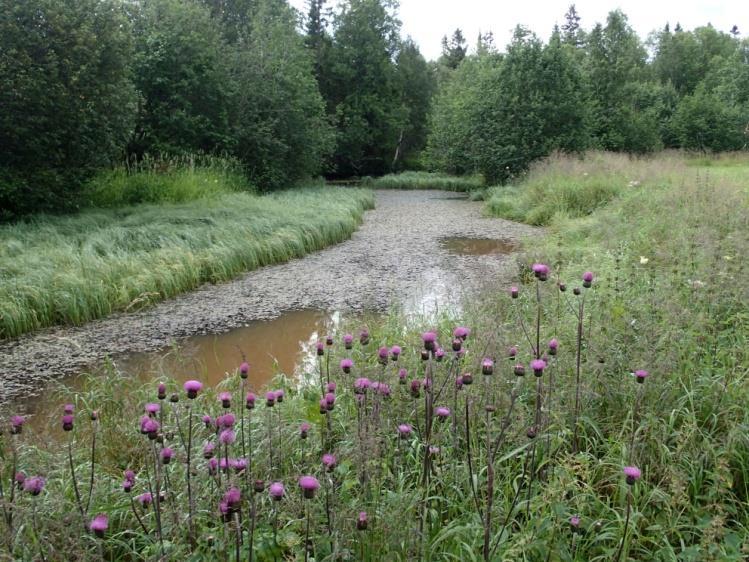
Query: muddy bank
x,y
395,257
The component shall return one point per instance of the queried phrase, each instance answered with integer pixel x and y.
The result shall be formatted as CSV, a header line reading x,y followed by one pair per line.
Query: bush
x,y
424,180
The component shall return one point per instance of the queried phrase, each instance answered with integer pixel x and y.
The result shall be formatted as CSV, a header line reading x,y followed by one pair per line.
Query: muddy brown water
x,y
420,251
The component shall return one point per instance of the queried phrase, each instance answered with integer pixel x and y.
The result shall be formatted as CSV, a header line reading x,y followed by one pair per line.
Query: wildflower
x,y
384,389
361,385
457,344
402,374
207,420
459,382
161,393
562,287
461,332
330,400
33,485
212,466
328,340
276,491
250,401
641,375
346,365
225,399
531,433
487,366
541,271
330,387
404,430
361,522
514,292
329,462
323,406
309,486
643,260
415,388
587,279
166,455
632,473
439,354
364,337
280,395
233,499
239,465
258,486
348,341
99,524
227,437
244,369
576,291
144,499
192,388
395,352
424,355
304,430
270,398
512,352
67,422
174,398
129,481
467,379
150,427
67,409
538,366
553,346
19,479
16,424
434,450
382,355
429,339
94,415
574,522
152,409
442,412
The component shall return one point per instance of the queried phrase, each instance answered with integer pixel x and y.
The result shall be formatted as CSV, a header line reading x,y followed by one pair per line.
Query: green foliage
x,y
66,96
181,74
278,119
71,270
703,121
425,180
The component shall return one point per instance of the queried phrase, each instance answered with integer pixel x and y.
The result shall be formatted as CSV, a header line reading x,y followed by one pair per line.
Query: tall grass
x,y
425,180
166,180
73,269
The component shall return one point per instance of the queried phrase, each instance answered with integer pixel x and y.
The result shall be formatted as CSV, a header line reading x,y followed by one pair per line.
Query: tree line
x,y
88,84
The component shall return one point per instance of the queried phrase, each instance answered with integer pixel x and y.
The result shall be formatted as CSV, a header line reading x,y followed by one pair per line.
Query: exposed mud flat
x,y
397,257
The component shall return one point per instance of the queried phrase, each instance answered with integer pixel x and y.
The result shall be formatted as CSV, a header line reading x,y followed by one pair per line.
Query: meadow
x,y
594,411
190,226
424,180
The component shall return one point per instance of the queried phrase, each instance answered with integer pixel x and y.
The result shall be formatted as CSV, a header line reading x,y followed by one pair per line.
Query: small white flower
x,y
643,260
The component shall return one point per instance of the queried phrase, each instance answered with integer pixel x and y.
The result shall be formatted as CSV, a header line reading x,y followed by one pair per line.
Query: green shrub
x,y
425,180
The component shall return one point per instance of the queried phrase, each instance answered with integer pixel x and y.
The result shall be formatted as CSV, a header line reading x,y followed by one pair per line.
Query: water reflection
x,y
478,246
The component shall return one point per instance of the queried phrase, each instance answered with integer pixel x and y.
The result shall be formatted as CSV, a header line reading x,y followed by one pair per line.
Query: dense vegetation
x,y
68,270
643,366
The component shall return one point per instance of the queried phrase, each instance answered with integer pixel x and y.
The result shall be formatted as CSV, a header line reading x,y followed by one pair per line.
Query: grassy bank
x,y
74,269
425,180
516,467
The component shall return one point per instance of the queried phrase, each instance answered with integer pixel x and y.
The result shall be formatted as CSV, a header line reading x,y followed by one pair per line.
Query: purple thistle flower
x,y
346,365
457,344
575,521
439,354
144,499
130,475
34,485
68,409
225,399
166,455
99,525
429,339
276,491
395,352
361,385
329,461
67,422
348,341
250,401
330,400
382,355
553,346
641,375
207,420
280,394
270,398
459,382
227,420
323,406
208,449
384,389
442,412
212,466
415,388
240,465
304,430
364,337
402,374
361,521
149,426
227,437
487,366
233,498
538,366
330,387
192,388
244,369
514,292
467,379
19,479
161,391
16,424
461,332
309,486
632,473
404,430
512,352
328,340
519,370
541,271
258,486
152,409
320,346
587,279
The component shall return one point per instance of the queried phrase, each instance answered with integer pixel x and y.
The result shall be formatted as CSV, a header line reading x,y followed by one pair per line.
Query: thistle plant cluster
x,y
392,446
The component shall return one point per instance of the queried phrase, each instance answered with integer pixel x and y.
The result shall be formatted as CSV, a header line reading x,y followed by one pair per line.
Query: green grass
x,y
166,180
74,269
425,180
